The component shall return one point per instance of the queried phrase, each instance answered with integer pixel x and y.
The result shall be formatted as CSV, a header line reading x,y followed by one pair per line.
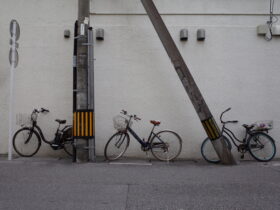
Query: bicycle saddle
x,y
155,122
60,121
248,127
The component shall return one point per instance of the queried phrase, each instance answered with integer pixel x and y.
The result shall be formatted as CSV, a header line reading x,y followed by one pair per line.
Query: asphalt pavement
x,y
129,184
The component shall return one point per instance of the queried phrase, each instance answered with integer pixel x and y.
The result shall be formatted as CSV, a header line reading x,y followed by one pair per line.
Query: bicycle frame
x,y
41,134
132,132
143,143
232,136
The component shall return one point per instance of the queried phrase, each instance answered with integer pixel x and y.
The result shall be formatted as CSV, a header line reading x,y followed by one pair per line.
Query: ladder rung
x,y
87,44
79,90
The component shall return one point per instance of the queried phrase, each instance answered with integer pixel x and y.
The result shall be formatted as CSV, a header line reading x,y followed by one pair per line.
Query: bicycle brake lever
x,y
124,112
136,118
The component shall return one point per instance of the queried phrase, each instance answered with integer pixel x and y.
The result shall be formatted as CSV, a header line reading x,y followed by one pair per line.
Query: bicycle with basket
x,y
27,140
260,145
165,145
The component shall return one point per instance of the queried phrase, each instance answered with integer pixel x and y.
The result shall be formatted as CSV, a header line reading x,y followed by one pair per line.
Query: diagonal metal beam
x,y
189,84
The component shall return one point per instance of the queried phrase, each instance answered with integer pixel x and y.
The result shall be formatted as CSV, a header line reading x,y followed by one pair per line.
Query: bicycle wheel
x,y
166,145
262,147
67,141
208,152
26,142
116,146
68,147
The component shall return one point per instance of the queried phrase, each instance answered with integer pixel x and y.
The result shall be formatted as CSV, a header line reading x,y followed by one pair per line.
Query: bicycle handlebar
x,y
231,121
131,116
35,114
42,110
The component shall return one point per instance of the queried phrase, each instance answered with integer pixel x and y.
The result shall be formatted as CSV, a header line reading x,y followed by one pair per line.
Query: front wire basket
x,y
23,119
120,123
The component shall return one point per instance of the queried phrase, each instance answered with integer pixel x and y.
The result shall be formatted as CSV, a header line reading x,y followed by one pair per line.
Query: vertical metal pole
x,y
92,156
11,113
74,157
189,84
82,68
82,61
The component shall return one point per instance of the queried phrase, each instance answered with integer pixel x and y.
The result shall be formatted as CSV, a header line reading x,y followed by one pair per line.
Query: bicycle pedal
x,y
56,146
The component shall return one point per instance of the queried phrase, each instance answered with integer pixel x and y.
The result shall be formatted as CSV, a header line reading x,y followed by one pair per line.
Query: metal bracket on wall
x,y
87,44
263,29
79,90
80,37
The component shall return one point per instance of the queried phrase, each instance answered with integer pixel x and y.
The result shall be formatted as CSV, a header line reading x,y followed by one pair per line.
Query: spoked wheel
x,y
262,147
67,141
116,146
26,142
68,147
208,152
166,145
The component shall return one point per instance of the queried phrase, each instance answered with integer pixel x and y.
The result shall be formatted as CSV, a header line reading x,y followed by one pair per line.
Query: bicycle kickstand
x,y
148,156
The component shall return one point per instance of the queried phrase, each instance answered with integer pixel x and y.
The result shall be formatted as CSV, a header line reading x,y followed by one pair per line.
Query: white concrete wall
x,y
233,67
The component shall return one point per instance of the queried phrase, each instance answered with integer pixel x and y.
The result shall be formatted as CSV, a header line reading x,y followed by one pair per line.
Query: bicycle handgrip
x,y
232,121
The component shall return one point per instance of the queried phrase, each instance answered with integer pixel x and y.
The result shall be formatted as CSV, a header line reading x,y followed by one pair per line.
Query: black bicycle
x,y
27,140
260,145
165,145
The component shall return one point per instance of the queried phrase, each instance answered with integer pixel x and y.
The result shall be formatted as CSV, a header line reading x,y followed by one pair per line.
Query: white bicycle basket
x,y
23,119
263,125
120,123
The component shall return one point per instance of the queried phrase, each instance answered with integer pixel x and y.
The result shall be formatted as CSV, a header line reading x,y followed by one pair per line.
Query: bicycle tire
x,y
162,145
27,140
262,147
67,141
120,142
68,148
208,152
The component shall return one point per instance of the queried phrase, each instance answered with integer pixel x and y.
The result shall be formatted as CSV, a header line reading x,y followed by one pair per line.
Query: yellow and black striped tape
x,y
211,128
83,124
